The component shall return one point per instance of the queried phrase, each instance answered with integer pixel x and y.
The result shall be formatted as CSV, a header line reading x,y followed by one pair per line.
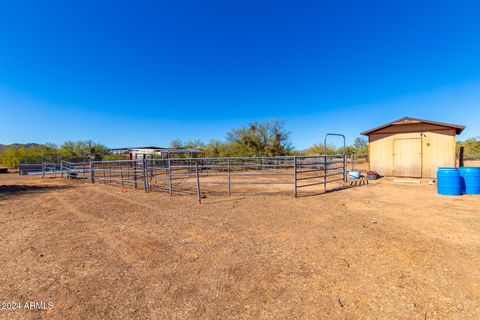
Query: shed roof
x,y
409,120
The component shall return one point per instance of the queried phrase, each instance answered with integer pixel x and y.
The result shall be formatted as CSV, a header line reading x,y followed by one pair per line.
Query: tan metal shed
x,y
410,147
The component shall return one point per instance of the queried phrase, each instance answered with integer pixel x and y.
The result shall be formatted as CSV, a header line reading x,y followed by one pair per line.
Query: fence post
x,y
135,173
228,172
104,174
460,160
151,175
295,176
170,176
43,170
92,178
144,175
198,183
121,174
325,172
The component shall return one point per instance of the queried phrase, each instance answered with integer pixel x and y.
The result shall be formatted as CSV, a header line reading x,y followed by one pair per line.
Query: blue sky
x,y
146,72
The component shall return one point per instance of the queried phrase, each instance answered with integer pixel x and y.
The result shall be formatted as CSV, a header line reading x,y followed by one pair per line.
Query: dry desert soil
x,y
378,251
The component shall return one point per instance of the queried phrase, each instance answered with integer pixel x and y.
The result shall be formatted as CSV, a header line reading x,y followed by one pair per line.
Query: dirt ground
x,y
377,251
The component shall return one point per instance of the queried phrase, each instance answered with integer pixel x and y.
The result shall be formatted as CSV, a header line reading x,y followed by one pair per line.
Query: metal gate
x,y
325,170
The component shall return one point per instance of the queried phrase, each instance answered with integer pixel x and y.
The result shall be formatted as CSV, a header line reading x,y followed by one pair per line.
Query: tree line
x,y
13,155
263,139
471,148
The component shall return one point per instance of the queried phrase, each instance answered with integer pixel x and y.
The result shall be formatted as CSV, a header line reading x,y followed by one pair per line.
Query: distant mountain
x,y
26,145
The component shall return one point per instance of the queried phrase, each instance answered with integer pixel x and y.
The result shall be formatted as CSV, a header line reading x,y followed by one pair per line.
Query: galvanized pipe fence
x,y
45,168
75,170
186,175
176,174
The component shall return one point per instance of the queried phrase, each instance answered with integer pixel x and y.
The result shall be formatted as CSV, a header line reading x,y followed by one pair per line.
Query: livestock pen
x,y
194,174
178,173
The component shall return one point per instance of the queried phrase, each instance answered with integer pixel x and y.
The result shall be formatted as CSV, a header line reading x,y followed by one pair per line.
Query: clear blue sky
x,y
146,72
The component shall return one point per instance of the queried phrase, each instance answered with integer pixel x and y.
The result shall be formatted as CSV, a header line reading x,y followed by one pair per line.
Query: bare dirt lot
x,y
380,251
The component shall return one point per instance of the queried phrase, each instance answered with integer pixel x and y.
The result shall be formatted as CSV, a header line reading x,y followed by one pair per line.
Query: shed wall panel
x,y
437,149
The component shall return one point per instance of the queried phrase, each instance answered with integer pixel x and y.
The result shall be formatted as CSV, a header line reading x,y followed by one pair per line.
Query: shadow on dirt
x,y
15,190
208,193
321,193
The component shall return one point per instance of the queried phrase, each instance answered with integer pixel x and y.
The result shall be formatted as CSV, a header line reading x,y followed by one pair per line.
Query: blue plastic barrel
x,y
449,182
470,179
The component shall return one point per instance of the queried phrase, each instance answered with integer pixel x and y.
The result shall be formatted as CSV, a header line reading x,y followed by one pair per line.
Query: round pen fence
x,y
43,169
177,174
75,170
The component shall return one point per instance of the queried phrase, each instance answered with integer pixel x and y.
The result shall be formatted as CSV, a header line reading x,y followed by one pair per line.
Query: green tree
x,y
81,149
319,149
360,145
217,148
114,156
471,147
13,155
349,150
260,139
176,144
197,143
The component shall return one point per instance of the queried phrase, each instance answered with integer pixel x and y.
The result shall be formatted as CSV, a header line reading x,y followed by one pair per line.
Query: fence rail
x,y
43,169
180,174
75,170
175,173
